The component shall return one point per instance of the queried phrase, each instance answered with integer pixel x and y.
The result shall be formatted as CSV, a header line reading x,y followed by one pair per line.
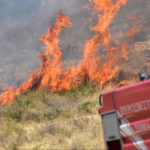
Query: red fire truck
x,y
125,114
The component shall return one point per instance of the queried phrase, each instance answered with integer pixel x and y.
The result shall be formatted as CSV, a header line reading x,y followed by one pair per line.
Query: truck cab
x,y
125,114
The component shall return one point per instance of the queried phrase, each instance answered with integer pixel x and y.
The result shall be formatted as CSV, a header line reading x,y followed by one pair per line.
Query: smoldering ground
x,y
22,23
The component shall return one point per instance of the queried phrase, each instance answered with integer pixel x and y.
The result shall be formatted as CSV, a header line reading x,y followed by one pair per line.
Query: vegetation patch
x,y
40,120
85,107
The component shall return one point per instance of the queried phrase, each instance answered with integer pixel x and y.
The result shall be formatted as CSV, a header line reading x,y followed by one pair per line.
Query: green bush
x,y
84,90
14,115
85,107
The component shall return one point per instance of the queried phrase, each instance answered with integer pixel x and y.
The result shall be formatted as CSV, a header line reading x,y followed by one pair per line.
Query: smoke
x,y
22,22
135,14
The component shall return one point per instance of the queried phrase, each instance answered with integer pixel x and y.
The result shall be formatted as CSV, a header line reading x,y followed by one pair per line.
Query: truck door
x,y
112,131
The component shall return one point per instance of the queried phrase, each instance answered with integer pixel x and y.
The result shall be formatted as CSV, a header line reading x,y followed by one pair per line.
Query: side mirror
x,y
144,75
101,100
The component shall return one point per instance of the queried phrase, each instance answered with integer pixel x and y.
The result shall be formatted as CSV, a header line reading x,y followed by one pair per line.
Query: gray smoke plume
x,y
22,23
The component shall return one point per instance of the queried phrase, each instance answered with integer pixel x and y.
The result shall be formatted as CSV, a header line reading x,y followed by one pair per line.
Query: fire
x,y
51,74
132,31
51,59
124,50
106,13
136,17
124,82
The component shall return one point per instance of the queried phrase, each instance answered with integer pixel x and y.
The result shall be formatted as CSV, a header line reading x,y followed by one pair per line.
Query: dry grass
x,y
66,120
38,120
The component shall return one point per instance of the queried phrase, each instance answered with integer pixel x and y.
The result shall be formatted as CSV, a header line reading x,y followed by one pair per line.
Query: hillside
x,y
66,120
51,101
38,120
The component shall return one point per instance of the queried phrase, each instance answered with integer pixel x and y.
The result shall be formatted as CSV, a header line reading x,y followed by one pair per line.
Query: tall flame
x,y
51,74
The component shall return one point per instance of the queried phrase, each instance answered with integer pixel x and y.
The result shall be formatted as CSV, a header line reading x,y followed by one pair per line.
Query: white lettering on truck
x,y
142,127
135,107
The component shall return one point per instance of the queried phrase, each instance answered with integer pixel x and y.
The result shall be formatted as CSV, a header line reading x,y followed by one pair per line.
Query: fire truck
x,y
125,114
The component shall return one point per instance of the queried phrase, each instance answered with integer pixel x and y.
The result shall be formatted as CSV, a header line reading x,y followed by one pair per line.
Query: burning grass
x,y
54,78
57,108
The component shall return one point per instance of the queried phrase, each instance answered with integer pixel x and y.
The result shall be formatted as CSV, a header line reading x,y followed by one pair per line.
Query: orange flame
x,y
107,11
136,17
132,31
124,82
51,74
124,50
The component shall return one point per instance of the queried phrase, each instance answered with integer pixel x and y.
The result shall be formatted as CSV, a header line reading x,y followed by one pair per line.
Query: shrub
x,y
86,106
